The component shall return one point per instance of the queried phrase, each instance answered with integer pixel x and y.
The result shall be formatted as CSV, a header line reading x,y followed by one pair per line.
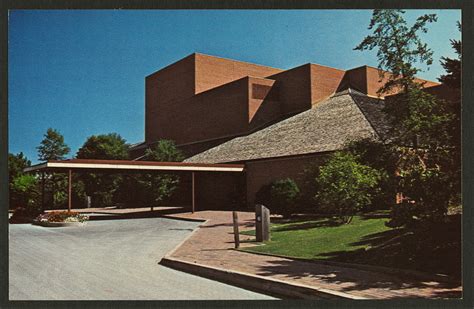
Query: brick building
x,y
275,121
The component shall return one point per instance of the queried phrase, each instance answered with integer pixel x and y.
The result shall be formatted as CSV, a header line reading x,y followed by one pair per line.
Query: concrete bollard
x,y
262,223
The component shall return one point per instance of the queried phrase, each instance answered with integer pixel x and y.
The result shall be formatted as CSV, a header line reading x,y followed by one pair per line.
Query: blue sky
x,y
83,72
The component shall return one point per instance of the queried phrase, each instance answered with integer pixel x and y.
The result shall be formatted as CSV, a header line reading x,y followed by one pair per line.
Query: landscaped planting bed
x,y
61,218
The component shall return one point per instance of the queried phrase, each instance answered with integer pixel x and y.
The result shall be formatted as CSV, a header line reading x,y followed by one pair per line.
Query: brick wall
x,y
214,71
202,98
262,172
294,88
165,89
215,113
355,79
324,82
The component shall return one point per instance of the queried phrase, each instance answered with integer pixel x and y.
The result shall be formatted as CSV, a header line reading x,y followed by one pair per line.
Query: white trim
x,y
135,167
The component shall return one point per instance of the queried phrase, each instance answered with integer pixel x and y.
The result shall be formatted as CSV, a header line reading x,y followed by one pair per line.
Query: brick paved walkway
x,y
212,245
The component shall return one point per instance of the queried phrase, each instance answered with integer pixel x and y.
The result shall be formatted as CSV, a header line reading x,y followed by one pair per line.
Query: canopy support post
x,y
193,193
69,190
42,191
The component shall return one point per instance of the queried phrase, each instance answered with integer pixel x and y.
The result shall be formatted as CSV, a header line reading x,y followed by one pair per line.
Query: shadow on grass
x,y
432,250
435,250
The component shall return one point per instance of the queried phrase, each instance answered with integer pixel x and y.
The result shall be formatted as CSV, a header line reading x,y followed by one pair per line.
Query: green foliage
x,y
52,147
426,129
452,79
104,147
164,151
102,187
284,194
376,154
398,46
418,115
23,191
429,191
280,196
452,66
162,186
346,186
16,164
383,158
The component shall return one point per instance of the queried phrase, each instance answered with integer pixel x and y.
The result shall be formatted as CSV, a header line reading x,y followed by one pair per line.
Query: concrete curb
x,y
168,255
184,219
252,282
256,283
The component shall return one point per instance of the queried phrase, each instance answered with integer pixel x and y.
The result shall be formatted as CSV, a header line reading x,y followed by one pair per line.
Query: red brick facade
x,y
201,101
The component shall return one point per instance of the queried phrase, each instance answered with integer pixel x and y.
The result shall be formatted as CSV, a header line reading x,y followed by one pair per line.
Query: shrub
x,y
25,214
279,196
383,158
346,186
427,197
23,191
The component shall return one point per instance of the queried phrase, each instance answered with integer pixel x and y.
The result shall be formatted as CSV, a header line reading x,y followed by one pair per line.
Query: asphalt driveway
x,y
106,260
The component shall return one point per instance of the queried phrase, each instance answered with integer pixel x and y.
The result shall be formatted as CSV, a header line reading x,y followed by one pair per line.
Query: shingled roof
x,y
344,117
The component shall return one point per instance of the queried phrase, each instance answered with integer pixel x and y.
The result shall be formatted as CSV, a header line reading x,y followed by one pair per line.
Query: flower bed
x,y
61,218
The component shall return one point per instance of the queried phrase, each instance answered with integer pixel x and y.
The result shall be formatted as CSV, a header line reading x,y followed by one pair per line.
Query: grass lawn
x,y
433,250
317,238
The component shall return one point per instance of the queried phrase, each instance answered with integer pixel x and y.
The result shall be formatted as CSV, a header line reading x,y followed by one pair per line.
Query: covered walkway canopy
x,y
98,166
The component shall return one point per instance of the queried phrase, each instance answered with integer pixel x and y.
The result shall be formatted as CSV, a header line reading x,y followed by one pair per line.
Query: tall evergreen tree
x,y
452,78
420,121
52,147
398,46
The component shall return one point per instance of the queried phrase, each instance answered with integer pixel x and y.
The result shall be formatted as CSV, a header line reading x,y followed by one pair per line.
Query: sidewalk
x,y
211,246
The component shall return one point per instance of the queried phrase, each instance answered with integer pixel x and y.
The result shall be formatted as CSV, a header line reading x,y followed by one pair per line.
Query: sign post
x,y
235,219
262,223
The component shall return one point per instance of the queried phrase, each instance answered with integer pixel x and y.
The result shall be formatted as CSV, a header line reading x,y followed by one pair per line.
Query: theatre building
x,y
275,122
270,123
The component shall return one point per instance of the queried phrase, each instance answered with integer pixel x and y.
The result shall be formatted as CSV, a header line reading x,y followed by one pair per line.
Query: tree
x,y
420,122
24,191
52,147
162,186
413,112
452,78
24,198
383,158
103,187
346,186
164,151
398,46
16,164
104,147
